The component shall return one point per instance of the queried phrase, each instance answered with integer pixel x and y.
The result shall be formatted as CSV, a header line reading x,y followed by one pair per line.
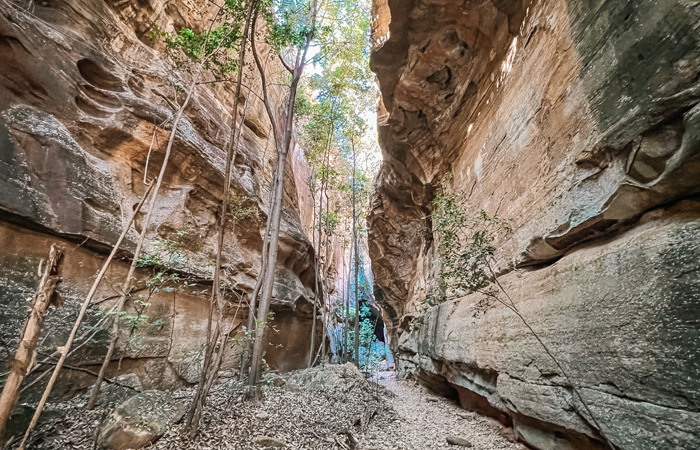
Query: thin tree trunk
x,y
357,255
129,277
330,237
248,349
247,354
343,306
212,375
274,216
248,345
346,328
324,335
86,303
357,304
269,277
269,274
215,301
25,354
319,293
200,398
324,191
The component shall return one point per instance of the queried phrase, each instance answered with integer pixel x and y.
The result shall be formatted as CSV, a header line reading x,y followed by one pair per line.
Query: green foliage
x,y
167,255
366,326
436,296
326,174
333,104
151,259
303,107
466,242
329,221
133,320
242,208
339,311
155,34
269,323
344,49
288,23
215,48
164,263
372,351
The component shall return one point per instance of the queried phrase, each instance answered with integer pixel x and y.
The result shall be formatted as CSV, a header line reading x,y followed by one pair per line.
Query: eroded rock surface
x,y
579,123
84,95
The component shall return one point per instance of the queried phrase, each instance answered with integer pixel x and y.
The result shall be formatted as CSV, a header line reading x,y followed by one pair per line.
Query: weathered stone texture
x,y
140,420
626,337
81,91
573,120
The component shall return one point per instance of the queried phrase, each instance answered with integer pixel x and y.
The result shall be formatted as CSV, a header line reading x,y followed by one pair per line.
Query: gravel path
x,y
324,408
422,421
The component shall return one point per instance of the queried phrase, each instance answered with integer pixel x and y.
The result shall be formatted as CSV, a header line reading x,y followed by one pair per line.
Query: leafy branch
x,y
466,247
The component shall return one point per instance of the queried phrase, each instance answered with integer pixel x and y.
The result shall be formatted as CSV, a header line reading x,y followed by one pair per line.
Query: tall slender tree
x,y
355,238
215,350
294,36
344,86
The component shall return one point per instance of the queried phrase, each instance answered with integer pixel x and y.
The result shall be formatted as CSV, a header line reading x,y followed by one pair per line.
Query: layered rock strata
x,y
579,123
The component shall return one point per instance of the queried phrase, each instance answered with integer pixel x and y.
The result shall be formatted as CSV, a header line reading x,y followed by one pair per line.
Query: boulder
x,y
339,378
140,420
458,441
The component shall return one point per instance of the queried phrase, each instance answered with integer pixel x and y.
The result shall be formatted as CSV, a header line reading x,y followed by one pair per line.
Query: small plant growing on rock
x,y
214,49
466,248
436,295
242,208
263,324
135,320
164,263
240,341
466,243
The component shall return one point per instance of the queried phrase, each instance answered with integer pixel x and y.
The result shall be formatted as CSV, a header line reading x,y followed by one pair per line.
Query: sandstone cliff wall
x,y
578,122
81,89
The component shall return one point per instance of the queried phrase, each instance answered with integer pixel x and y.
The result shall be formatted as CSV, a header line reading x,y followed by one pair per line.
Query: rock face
x,y
81,92
579,123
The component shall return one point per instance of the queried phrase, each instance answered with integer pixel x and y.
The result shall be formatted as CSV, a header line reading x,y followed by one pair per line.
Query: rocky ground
x,y
321,408
418,419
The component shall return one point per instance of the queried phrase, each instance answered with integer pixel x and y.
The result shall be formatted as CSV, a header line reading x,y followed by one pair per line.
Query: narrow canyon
x,y
570,127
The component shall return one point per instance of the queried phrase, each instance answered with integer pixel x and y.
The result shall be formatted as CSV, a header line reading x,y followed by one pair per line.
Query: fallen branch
x,y
54,356
83,309
25,355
